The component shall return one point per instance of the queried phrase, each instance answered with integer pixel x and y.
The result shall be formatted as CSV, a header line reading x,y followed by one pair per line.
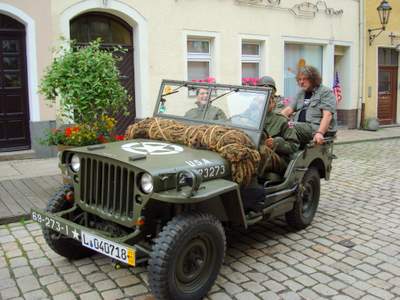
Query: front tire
x,y
59,243
306,205
186,257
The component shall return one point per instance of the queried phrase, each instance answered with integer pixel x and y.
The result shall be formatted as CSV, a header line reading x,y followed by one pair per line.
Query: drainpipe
x,y
361,102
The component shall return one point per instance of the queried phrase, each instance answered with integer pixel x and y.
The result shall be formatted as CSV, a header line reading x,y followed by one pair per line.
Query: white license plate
x,y
109,248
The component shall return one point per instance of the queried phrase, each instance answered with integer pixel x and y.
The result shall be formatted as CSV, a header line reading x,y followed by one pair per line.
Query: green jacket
x,y
285,138
213,113
322,99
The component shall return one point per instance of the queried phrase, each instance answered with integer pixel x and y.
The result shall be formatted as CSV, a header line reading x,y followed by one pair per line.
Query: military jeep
x,y
166,205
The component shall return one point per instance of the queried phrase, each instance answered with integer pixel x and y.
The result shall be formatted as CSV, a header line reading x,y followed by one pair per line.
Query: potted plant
x,y
84,83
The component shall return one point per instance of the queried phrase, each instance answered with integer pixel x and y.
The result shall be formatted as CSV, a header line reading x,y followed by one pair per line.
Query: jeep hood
x,y
156,157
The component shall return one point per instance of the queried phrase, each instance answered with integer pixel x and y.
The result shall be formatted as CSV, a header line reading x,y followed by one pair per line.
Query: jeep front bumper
x,y
90,238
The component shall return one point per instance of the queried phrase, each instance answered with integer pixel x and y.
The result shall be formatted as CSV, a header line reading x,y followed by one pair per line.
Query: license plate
x,y
109,248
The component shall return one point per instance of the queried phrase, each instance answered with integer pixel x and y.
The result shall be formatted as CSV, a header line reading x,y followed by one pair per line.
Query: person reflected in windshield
x,y
197,113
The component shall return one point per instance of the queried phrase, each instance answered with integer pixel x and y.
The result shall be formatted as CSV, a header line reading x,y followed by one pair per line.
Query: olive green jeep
x,y
166,205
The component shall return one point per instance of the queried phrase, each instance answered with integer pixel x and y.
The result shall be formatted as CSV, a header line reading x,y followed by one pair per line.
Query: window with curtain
x,y
296,56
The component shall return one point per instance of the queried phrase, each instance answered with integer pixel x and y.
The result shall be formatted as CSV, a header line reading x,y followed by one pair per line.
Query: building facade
x,y
231,41
381,66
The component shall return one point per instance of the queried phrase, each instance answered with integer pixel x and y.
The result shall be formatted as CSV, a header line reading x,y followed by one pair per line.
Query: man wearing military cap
x,y
279,136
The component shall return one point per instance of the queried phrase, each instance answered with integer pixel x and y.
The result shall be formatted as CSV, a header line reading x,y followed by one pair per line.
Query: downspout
x,y
361,102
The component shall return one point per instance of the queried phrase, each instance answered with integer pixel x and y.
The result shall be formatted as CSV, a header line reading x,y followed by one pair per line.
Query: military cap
x,y
267,81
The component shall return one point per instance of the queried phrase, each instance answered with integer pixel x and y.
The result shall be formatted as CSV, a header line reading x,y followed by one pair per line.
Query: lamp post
x,y
384,12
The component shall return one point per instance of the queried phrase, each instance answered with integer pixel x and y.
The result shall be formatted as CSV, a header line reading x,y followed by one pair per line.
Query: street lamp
x,y
384,12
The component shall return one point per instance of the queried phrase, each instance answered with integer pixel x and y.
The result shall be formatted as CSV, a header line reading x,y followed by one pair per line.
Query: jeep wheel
x,y
186,257
62,245
307,201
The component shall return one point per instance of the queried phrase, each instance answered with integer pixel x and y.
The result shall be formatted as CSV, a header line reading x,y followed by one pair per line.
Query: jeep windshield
x,y
236,106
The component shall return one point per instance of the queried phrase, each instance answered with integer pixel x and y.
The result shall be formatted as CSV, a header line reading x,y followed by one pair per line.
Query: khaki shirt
x,y
213,113
285,138
322,99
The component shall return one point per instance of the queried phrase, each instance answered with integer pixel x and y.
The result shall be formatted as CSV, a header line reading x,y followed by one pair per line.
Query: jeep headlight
x,y
75,163
146,183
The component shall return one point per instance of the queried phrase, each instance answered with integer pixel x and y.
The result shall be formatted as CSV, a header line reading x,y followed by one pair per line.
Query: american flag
x,y
337,89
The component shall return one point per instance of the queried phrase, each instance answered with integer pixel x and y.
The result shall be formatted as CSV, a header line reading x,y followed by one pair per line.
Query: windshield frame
x,y
254,133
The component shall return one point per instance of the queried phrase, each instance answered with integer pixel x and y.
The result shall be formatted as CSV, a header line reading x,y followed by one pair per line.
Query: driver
x,y
212,113
279,137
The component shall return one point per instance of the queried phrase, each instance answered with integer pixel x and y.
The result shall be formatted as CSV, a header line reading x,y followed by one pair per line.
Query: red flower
x,y
68,131
119,137
101,138
75,129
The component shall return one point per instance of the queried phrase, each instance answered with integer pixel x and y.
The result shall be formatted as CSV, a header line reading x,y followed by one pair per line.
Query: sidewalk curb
x,y
368,140
14,219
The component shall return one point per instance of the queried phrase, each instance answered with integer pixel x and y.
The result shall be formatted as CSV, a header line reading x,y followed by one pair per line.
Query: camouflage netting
x,y
232,144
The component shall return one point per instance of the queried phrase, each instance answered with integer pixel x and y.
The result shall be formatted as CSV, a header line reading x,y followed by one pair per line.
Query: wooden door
x,y
14,108
387,95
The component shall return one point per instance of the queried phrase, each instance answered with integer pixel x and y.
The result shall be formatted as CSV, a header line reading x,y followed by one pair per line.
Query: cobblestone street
x,y
351,251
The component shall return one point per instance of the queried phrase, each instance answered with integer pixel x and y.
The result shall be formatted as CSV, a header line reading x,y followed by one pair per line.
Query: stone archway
x,y
113,32
140,39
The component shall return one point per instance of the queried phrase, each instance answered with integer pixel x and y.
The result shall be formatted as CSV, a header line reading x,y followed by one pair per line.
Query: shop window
x,y
251,59
199,59
297,56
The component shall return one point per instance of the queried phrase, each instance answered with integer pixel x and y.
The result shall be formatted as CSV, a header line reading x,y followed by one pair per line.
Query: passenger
x,y
315,108
197,113
279,136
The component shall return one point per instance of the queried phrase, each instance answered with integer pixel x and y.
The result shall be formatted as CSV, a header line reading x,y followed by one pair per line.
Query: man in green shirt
x,y
279,136
197,113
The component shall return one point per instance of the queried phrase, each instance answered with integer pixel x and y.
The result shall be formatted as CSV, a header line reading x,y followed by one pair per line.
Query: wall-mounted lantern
x,y
384,12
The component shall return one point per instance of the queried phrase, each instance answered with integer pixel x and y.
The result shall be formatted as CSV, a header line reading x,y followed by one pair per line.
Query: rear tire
x,y
59,243
186,257
307,201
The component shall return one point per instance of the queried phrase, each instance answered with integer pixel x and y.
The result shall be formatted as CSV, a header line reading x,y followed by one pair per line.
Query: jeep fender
x,y
211,197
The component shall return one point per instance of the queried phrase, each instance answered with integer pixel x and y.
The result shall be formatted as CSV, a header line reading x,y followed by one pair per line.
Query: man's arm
x,y
287,111
323,127
287,143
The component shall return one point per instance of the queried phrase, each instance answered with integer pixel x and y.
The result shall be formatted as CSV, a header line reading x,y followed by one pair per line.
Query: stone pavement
x,y
351,251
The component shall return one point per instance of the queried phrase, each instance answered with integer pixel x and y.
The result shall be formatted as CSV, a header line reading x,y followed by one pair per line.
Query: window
x,y
296,56
388,57
251,59
198,59
113,31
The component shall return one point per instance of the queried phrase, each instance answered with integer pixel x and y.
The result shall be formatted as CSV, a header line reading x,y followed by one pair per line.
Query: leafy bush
x,y
86,82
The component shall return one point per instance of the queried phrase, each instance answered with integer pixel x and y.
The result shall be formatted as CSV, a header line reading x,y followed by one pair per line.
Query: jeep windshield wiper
x,y
224,94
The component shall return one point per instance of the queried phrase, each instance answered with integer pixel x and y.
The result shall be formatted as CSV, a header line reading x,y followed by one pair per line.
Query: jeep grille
x,y
108,188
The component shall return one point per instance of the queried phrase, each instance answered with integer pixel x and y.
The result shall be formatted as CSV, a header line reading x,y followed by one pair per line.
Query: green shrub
x,y
86,82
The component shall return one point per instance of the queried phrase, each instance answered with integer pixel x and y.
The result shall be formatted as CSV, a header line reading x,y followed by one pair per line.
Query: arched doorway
x,y
113,32
14,103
